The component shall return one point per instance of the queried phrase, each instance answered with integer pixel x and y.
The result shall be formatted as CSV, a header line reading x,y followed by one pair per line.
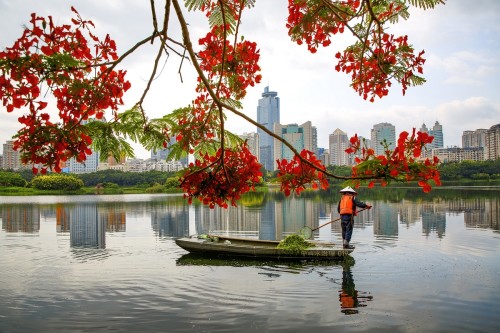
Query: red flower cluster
x,y
374,60
404,163
232,69
222,178
294,175
61,58
313,22
371,75
197,123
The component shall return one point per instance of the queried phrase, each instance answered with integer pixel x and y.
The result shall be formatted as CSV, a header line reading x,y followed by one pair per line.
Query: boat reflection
x,y
193,259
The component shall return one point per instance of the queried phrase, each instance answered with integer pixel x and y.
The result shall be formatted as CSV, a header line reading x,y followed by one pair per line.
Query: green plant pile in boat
x,y
294,244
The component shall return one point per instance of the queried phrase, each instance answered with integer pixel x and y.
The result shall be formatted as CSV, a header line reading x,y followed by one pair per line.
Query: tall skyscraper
x,y
268,114
437,133
338,143
300,137
380,133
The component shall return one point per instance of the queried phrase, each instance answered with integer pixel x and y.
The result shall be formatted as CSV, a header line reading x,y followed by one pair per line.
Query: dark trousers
x,y
347,223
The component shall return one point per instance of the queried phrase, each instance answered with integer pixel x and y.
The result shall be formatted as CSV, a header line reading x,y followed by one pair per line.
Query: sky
x,y
460,39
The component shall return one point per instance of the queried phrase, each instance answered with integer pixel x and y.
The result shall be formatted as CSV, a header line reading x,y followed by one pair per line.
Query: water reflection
x,y
350,298
267,216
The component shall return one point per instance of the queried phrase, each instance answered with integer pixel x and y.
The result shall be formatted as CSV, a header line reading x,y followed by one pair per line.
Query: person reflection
x,y
350,298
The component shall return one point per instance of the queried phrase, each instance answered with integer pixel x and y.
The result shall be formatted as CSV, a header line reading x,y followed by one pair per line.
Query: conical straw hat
x,y
348,189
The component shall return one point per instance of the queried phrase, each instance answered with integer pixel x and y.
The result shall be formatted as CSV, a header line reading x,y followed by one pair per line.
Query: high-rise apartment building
x,y
456,154
252,140
338,143
268,114
300,137
493,142
472,139
383,133
11,158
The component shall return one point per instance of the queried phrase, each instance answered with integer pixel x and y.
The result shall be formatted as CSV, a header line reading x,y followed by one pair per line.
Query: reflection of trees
x,y
253,199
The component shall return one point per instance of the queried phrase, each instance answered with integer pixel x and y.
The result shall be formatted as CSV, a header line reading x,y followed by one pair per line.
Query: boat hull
x,y
232,246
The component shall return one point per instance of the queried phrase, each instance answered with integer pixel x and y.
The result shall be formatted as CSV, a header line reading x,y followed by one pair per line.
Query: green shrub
x,y
172,182
57,182
156,188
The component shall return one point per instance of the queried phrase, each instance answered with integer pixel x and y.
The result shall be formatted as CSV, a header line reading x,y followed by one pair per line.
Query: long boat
x,y
232,246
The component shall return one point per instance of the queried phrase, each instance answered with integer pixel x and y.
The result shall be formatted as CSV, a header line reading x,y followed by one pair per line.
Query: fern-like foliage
x,y
107,141
222,13
426,4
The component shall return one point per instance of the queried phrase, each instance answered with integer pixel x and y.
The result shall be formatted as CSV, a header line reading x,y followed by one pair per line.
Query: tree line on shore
x,y
158,181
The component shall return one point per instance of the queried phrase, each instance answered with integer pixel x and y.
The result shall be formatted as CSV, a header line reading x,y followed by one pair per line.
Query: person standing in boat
x,y
347,210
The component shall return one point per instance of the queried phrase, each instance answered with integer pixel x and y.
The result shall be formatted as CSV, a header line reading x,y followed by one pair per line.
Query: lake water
x,y
423,263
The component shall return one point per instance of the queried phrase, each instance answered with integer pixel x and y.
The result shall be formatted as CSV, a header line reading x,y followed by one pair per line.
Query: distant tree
x,y
470,170
11,179
124,178
81,71
172,182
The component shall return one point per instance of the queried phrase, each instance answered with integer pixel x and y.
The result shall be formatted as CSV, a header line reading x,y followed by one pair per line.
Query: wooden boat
x,y
232,246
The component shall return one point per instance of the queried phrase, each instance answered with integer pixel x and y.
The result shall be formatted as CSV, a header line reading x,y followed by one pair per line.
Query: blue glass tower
x,y
268,113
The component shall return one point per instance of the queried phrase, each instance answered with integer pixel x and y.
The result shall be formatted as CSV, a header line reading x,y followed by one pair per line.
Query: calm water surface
x,y
109,263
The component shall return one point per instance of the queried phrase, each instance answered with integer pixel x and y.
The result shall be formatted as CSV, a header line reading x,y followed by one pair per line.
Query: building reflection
x,y
385,220
267,226
21,218
484,214
277,217
265,216
86,228
170,220
62,218
433,220
114,218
